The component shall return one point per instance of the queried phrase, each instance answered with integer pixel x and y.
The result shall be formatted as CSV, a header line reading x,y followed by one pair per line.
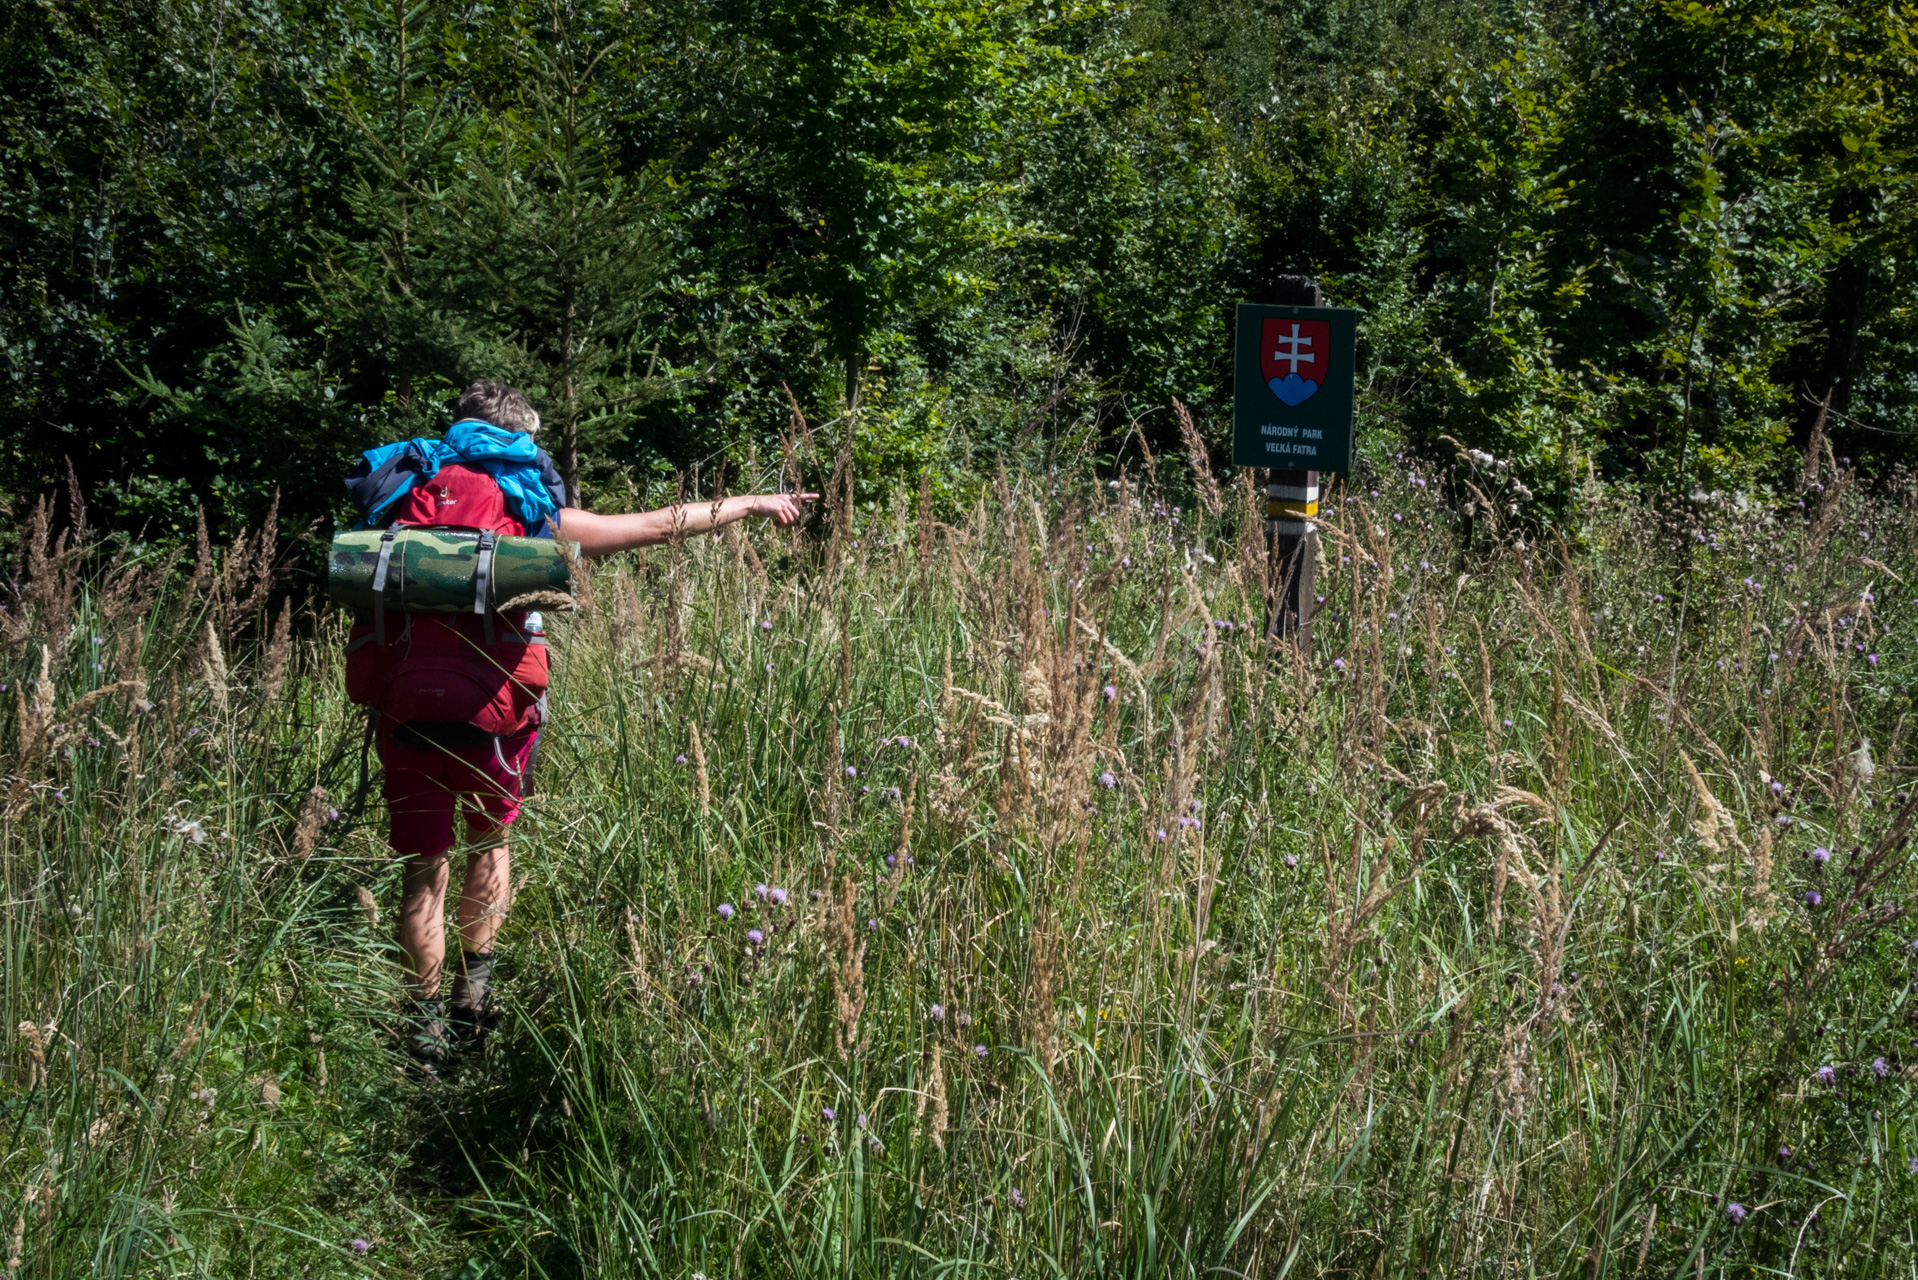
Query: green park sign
x,y
1292,387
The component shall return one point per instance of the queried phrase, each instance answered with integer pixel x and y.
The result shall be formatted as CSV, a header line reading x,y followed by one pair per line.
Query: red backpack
x,y
452,668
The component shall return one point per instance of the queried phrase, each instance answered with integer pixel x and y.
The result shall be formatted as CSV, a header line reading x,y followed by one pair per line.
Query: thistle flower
x,y
905,742
679,759
1827,1074
360,1246
1880,1068
725,911
1777,787
755,937
1018,1201
851,772
861,1121
1291,860
778,896
1813,898
1107,781
767,625
937,1013
764,891
1161,833
828,1114
1111,691
1338,664
1736,1212
979,1051
1820,856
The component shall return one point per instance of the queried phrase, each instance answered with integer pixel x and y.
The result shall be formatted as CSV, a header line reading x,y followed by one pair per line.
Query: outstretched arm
x,y
599,535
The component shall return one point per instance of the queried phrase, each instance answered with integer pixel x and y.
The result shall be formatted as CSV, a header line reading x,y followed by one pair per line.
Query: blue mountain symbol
x,y
1293,389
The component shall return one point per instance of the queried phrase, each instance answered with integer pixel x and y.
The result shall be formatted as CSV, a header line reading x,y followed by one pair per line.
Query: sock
x,y
473,981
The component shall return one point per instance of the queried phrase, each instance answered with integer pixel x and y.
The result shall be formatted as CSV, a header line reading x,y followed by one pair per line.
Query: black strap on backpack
x,y
483,581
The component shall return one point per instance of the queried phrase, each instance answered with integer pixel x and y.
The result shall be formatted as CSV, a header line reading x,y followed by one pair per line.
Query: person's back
x,y
458,700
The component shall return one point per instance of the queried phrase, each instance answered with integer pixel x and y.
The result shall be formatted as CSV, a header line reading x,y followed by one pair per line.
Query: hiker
x,y
458,700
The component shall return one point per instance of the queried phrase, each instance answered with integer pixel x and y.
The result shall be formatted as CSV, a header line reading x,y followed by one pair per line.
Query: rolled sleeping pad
x,y
439,571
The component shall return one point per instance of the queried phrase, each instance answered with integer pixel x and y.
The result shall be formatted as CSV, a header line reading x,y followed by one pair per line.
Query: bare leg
x,y
485,897
422,924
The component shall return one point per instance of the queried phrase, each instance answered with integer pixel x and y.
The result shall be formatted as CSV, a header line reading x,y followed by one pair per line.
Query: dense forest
x,y
1655,240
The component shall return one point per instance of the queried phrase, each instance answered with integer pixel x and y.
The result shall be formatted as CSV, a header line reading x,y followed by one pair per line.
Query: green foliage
x,y
1645,242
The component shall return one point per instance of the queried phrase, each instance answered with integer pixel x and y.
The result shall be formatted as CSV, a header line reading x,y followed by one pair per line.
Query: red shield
x,y
1294,355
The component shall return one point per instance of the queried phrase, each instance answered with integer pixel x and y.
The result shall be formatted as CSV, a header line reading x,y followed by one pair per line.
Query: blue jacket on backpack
x,y
533,489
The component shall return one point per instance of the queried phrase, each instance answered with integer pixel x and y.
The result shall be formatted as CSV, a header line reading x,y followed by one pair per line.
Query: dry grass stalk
x,y
1714,825
213,664
1041,1015
278,650
369,904
701,783
848,969
191,1036
941,1115
829,803
306,832
36,1039
1197,454
1763,904
896,880
638,971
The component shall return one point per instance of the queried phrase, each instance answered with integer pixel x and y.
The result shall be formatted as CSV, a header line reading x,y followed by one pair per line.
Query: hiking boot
x,y
470,1013
428,1037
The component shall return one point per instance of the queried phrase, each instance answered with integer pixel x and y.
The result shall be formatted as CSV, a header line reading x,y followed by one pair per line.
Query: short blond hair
x,y
499,404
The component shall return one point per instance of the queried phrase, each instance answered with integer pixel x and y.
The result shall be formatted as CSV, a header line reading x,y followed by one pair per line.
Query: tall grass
x,y
1097,935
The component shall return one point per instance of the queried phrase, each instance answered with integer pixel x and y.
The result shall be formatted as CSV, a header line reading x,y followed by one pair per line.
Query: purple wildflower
x,y
1018,1201
1820,856
905,742
1291,860
1736,1212
1161,833
851,772
679,759
361,1246
1827,1074
755,937
828,1114
1107,781
725,911
778,896
764,891
1338,664
937,1013
979,1051
1813,898
1777,787
861,1121
872,925
1880,1068
767,625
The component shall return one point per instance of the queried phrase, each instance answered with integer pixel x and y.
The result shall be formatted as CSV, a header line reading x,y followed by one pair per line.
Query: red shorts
x,y
426,784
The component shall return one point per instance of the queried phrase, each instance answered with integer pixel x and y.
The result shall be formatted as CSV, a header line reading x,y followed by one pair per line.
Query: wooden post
x,y
1291,500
